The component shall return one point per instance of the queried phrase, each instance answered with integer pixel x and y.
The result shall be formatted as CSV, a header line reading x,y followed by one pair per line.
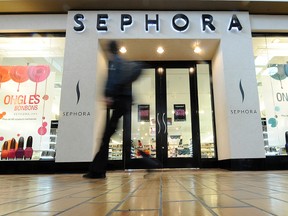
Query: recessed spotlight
x,y
197,49
160,50
123,49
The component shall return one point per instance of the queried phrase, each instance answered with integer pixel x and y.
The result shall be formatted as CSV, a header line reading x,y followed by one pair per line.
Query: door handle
x,y
164,122
158,122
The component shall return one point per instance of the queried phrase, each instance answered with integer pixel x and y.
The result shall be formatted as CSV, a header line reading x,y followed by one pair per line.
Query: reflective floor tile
x,y
177,196
34,214
221,201
58,205
240,194
90,209
184,209
240,212
203,191
136,213
89,193
145,193
133,203
13,207
110,197
270,205
280,196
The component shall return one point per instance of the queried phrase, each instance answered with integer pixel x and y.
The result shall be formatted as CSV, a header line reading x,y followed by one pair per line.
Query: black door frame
x,y
196,161
161,139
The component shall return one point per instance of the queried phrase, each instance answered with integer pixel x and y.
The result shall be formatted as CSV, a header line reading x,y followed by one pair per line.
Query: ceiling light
x,y
160,70
123,49
160,50
197,49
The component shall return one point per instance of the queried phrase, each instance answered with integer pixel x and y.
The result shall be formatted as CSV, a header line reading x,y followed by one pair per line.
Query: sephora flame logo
x,y
78,92
242,91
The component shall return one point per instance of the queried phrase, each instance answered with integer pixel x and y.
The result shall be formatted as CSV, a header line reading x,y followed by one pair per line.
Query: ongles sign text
x,y
179,22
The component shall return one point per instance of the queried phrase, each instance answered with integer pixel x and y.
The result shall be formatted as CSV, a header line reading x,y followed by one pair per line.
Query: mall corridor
x,y
158,193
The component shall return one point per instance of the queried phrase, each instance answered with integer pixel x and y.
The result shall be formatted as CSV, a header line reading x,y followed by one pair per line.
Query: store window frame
x,y
264,124
44,154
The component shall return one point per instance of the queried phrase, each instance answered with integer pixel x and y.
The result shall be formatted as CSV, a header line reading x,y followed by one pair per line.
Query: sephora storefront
x,y
213,92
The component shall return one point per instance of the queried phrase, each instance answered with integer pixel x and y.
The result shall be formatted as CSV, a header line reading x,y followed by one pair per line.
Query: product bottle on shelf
x,y
4,152
20,150
12,150
140,144
28,152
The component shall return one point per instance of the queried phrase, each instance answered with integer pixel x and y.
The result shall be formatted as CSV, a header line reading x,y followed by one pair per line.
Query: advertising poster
x,y
179,112
25,104
275,92
144,113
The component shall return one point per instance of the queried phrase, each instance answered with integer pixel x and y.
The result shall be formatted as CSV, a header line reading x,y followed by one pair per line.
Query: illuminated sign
x,y
179,22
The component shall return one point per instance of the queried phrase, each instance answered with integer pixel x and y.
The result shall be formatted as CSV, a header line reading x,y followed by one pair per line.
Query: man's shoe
x,y
91,175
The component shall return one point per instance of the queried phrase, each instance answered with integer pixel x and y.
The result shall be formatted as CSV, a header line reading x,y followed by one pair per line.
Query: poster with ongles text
x,y
26,103
275,96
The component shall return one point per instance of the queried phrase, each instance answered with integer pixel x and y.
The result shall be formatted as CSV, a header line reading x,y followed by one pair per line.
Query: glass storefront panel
x,y
31,70
143,132
178,113
272,80
205,112
116,142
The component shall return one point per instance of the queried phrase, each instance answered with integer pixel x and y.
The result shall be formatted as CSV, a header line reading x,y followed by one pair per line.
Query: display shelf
x,y
274,150
53,139
179,151
265,132
115,151
48,154
207,150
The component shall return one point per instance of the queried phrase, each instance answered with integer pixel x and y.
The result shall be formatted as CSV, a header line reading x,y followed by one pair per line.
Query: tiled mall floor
x,y
159,193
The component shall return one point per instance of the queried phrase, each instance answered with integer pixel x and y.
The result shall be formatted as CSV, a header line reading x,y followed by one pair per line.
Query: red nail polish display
x,y
12,150
28,152
20,150
4,152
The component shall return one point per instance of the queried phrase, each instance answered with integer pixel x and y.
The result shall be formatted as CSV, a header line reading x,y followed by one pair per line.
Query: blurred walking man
x,y
118,96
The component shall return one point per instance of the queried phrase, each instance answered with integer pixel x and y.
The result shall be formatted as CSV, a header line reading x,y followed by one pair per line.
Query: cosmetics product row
x,y
12,150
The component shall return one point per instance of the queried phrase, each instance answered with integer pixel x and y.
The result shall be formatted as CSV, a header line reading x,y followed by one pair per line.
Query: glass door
x,y
165,121
177,105
143,120
179,115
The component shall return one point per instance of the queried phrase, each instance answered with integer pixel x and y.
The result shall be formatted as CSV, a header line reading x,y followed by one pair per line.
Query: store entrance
x,y
171,119
164,120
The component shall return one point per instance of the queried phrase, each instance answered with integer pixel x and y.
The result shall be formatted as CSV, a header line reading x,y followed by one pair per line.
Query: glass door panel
x,y
116,142
178,113
205,112
143,119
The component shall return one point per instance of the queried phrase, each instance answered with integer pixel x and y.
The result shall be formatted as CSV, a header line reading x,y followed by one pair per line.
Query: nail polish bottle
x,y
12,151
28,152
20,150
4,152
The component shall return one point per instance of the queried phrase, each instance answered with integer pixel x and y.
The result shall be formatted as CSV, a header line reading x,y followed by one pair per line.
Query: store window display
x,y
271,61
31,67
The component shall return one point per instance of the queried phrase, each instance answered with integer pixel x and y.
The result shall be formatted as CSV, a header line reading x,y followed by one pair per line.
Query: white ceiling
x,y
174,49
269,50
